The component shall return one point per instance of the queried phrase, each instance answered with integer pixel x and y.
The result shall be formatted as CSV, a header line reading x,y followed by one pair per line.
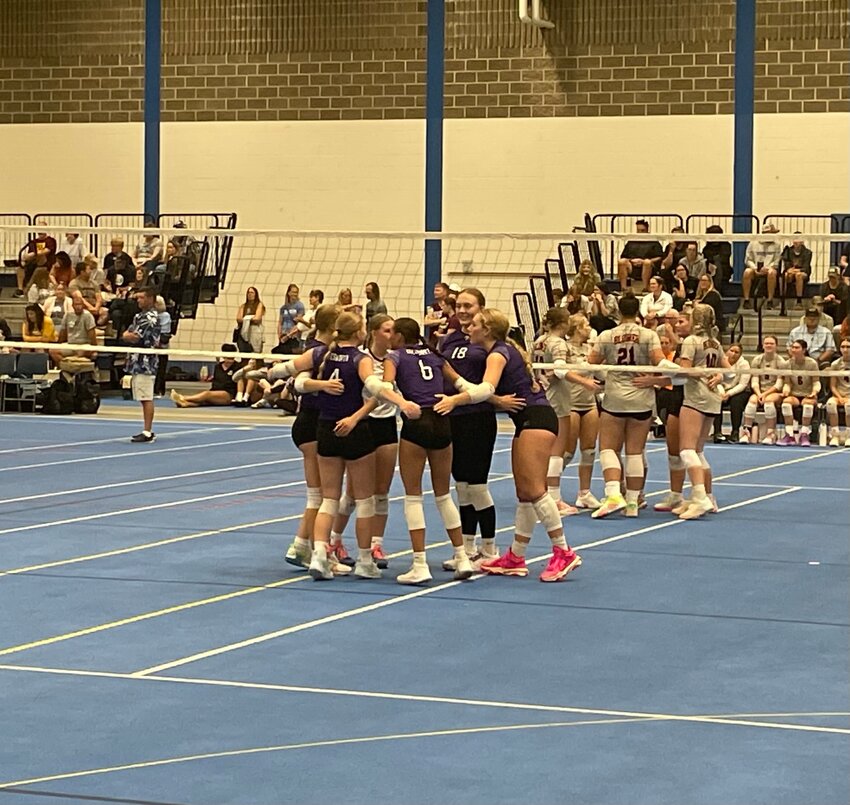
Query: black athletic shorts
x,y
384,430
431,431
582,411
641,416
473,439
669,401
304,427
357,444
708,416
535,417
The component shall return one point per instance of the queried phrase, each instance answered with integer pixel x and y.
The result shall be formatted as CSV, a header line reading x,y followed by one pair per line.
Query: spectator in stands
x,y
718,253
844,262
835,294
182,242
796,263
762,260
735,396
345,301
585,281
374,304
695,262
118,264
307,320
40,251
98,275
249,321
222,390
158,272
74,247
39,287
450,323
57,305
291,313
62,270
825,319
36,326
164,339
77,327
149,250
817,338
604,310
640,259
684,287
673,254
5,332
90,293
655,304
707,295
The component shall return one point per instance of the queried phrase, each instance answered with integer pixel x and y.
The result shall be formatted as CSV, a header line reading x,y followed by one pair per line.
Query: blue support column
x,y
434,80
745,69
153,72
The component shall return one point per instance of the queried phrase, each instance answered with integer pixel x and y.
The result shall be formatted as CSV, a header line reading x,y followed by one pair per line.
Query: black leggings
x,y
736,405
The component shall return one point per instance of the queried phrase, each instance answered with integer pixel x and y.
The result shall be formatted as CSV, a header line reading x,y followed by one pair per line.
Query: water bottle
x,y
204,374
754,433
822,434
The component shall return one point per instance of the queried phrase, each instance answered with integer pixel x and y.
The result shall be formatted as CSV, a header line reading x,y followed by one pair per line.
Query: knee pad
x,y
587,458
832,406
480,497
314,497
690,458
448,512
526,519
414,512
556,467
808,411
329,506
787,409
675,463
462,489
345,505
770,410
547,512
702,461
382,505
609,460
750,410
365,508
634,466
847,414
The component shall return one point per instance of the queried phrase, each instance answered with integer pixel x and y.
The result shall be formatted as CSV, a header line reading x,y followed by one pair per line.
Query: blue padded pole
x,y
153,71
745,49
434,78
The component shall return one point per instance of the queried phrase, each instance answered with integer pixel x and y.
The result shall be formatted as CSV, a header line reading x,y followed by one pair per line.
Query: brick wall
x,y
81,60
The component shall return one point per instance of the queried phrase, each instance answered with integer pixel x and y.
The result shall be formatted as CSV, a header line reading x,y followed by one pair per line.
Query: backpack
x,y
86,395
59,398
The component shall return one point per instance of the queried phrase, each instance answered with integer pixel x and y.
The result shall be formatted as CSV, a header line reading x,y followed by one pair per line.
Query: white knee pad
x,y
345,505
365,508
329,506
480,497
690,458
462,489
751,409
314,497
414,512
547,513
587,457
847,414
808,411
702,461
787,409
609,460
675,463
526,519
634,466
770,410
382,505
448,512
832,406
556,467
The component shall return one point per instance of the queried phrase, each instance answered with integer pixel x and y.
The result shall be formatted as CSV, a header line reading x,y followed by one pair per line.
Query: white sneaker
x,y
610,505
847,441
367,570
418,574
564,509
480,558
320,569
696,509
449,565
300,557
834,442
680,507
587,501
668,502
769,439
744,438
463,569
338,568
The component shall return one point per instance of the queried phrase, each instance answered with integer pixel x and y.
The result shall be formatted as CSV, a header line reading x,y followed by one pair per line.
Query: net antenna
x,y
536,17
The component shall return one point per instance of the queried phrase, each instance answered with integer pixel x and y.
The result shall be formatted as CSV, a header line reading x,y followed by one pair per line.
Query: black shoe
x,y
769,304
720,439
18,292
748,305
140,437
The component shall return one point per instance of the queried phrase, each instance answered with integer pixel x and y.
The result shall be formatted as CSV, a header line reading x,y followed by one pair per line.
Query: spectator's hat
x,y
771,228
817,300
812,313
229,348
834,271
454,287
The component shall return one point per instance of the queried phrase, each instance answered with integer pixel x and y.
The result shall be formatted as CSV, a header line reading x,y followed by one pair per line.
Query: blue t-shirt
x,y
288,312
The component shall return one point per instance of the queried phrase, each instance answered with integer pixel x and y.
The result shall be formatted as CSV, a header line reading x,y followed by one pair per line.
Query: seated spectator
x,y
707,295
57,305
844,262
157,272
223,388
6,333
695,263
182,242
604,309
684,287
98,275
78,327
839,397
817,338
36,327
307,319
799,391
718,253
39,287
119,266
40,251
288,334
834,294
640,259
74,247
655,304
735,397
90,293
767,391
762,260
586,279
824,320
841,331
374,303
62,270
796,263
149,250
673,254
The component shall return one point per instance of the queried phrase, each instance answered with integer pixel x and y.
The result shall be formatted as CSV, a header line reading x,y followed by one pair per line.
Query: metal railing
x,y
524,312
625,223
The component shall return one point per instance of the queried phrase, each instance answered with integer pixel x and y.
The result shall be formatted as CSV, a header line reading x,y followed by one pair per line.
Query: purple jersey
x,y
312,400
342,364
419,374
515,378
470,362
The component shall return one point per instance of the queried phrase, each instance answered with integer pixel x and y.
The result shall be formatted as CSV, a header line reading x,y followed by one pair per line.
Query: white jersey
x,y
767,382
702,351
548,349
627,344
802,385
582,399
842,383
384,409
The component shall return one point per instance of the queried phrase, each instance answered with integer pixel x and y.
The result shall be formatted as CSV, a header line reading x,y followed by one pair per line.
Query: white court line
x,y
774,486
403,598
136,452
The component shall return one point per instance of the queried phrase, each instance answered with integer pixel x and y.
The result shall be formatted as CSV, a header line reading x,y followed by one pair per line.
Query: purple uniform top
x,y
470,362
515,378
342,364
419,374
312,400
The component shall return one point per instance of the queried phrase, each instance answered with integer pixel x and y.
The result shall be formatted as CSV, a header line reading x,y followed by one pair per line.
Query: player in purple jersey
x,y
418,373
508,370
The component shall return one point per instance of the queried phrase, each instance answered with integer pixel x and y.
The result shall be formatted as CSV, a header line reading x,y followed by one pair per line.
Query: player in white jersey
x,y
702,402
626,407
839,386
767,390
799,390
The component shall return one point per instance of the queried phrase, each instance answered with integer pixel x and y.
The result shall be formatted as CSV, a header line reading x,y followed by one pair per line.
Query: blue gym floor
x,y
154,646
